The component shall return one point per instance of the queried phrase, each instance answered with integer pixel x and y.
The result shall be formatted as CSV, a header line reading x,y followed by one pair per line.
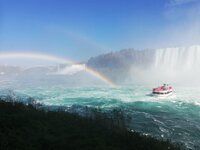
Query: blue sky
x,y
79,29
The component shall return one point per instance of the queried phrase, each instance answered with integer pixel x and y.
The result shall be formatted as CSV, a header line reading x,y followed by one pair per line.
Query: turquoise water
x,y
176,117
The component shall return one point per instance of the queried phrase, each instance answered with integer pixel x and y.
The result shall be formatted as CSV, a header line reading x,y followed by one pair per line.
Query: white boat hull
x,y
162,95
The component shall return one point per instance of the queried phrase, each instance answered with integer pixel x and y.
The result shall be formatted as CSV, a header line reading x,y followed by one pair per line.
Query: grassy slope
x,y
25,128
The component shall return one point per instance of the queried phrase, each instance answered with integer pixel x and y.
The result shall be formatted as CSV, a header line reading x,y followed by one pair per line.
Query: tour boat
x,y
163,90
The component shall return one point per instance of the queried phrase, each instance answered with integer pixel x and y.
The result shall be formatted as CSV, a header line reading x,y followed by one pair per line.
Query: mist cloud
x,y
70,70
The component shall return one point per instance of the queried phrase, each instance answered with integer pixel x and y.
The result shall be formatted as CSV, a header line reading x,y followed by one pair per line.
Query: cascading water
x,y
173,65
178,65
180,59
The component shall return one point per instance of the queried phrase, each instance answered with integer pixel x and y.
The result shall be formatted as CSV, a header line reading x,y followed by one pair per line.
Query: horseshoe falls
x,y
179,66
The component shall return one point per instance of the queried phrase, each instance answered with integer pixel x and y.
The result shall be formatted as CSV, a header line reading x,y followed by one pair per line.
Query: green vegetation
x,y
23,127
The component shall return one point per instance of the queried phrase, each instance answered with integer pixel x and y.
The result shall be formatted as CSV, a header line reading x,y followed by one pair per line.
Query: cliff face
x,y
123,58
117,65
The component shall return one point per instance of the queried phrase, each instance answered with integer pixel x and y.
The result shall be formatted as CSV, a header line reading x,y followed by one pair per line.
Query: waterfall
x,y
178,59
179,65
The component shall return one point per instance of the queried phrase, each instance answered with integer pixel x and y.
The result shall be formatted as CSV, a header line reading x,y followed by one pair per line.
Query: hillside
x,y
22,127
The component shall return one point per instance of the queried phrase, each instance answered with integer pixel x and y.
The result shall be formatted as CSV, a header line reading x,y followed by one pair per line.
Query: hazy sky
x,y
79,29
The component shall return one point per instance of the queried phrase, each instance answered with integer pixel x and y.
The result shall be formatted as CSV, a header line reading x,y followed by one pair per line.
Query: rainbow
x,y
47,57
